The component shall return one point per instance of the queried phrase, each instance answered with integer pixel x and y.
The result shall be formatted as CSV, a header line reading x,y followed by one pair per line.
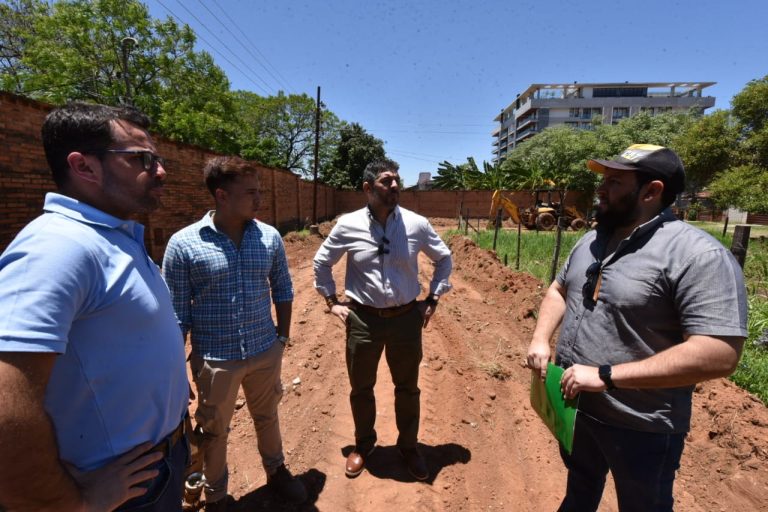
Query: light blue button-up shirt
x,y
221,293
79,282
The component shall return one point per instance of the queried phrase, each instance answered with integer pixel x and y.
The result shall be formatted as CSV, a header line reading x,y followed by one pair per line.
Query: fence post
x,y
466,223
496,230
556,254
740,243
519,236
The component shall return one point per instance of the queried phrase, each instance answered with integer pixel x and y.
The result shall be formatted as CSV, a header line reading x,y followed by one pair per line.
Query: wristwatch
x,y
283,339
604,371
331,301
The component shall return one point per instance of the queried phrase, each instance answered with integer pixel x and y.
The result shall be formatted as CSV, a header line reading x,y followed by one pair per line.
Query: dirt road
x,y
486,449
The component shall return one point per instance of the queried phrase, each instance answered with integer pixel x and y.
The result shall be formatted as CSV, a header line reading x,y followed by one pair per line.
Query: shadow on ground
x,y
263,499
386,462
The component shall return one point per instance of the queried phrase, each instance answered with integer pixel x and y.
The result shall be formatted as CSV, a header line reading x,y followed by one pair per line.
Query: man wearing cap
x,y
649,306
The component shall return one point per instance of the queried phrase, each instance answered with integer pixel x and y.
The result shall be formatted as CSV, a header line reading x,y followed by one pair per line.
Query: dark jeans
x,y
166,491
400,338
643,466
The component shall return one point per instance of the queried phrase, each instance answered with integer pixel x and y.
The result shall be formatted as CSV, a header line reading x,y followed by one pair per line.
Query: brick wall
x,y
25,178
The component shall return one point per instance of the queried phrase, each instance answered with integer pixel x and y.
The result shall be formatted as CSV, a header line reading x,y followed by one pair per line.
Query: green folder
x,y
557,413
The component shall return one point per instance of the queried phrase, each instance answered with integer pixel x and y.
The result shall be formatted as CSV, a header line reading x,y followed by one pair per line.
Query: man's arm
x,y
177,277
696,359
32,478
551,313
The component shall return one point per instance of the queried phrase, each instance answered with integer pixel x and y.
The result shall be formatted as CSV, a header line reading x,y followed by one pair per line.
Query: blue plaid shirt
x,y
221,293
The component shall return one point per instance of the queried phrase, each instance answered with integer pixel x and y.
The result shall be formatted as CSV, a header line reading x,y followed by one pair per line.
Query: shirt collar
x,y
394,214
87,214
207,222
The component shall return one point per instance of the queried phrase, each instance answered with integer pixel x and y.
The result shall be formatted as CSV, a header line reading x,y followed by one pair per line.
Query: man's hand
x,y
427,309
341,310
580,378
538,357
108,487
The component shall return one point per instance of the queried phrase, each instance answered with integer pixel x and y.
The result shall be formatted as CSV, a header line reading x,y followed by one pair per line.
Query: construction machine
x,y
499,200
543,215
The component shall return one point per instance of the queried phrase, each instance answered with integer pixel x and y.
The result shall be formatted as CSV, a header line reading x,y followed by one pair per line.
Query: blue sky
x,y
428,77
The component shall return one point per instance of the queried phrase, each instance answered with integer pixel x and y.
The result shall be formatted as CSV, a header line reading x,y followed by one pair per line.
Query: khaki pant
x,y
217,385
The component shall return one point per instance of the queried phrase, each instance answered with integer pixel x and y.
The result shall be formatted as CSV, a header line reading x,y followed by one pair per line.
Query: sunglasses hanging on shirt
x,y
382,248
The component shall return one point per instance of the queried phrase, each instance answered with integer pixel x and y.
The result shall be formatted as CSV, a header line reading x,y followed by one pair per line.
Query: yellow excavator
x,y
542,216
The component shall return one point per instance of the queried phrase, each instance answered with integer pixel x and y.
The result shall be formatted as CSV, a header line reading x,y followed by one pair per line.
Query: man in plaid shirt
x,y
222,272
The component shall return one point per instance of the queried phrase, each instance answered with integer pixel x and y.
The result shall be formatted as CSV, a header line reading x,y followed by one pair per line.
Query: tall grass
x,y
536,251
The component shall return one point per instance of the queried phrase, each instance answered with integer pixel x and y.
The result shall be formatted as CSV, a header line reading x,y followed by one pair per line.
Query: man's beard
x,y
621,213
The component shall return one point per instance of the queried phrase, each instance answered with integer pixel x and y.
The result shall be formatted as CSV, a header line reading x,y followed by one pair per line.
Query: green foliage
x,y
456,177
706,146
468,176
183,91
355,150
279,131
750,106
743,187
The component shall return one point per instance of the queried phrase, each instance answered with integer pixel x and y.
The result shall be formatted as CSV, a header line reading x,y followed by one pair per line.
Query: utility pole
x,y
317,153
127,43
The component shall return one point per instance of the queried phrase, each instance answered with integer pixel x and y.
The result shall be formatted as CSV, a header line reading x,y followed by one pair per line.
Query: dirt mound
x,y
483,268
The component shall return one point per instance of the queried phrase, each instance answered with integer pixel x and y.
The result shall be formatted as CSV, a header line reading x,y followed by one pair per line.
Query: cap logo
x,y
637,152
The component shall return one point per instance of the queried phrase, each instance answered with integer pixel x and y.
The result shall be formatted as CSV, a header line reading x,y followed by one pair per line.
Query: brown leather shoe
x,y
415,463
356,462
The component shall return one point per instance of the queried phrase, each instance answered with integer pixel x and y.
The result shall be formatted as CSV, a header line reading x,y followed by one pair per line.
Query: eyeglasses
x,y
382,249
591,287
149,160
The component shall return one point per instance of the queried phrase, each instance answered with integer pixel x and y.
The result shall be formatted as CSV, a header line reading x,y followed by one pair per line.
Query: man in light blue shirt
x,y
92,376
382,242
222,272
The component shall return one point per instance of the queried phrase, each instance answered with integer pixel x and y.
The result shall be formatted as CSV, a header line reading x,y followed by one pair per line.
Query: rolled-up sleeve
x,y
279,275
437,251
330,252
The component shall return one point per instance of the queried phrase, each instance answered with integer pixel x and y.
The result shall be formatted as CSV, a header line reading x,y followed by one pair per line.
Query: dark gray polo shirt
x,y
665,280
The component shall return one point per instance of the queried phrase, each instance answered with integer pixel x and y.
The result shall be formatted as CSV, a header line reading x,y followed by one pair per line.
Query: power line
x,y
225,45
279,78
215,50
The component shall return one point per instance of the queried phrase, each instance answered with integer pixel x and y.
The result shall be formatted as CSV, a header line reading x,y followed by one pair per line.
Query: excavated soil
x,y
486,449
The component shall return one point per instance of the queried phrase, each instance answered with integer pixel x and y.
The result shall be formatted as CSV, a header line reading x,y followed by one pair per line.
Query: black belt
x,y
166,445
384,312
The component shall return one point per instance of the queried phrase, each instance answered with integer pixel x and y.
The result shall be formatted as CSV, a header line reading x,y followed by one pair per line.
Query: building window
x,y
574,112
620,92
620,113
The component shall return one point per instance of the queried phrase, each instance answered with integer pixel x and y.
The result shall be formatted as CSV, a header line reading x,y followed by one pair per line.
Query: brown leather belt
x,y
166,445
384,312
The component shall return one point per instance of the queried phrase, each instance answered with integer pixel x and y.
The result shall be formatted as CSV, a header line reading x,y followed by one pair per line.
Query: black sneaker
x,y
287,486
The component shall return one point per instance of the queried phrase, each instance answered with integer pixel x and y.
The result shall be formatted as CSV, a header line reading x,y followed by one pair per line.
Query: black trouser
x,y
400,338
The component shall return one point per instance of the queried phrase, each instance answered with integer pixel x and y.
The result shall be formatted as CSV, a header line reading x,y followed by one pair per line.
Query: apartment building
x,y
544,105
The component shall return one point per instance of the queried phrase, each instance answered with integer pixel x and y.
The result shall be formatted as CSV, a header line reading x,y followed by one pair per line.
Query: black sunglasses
x,y
591,287
382,249
149,160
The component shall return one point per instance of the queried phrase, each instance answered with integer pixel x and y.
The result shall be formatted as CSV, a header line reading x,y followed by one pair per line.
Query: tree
x,y
706,147
184,92
355,150
456,177
750,107
742,187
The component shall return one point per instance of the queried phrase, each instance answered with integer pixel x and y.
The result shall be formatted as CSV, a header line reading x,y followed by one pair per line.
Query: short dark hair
x,y
82,127
373,169
667,196
223,170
